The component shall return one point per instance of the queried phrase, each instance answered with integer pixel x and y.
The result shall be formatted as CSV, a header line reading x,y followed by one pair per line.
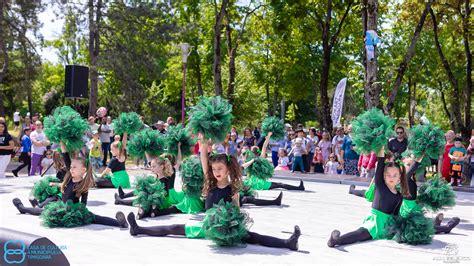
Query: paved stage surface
x,y
319,210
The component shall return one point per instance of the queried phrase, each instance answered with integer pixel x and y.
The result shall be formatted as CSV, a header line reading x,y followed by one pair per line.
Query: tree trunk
x,y
199,74
3,53
409,54
217,48
455,103
94,48
468,89
232,52
372,87
410,115
445,105
325,115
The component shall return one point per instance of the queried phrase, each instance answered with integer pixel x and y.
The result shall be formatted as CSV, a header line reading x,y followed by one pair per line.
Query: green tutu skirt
x,y
370,193
409,206
194,229
191,205
377,223
257,183
69,214
120,178
175,197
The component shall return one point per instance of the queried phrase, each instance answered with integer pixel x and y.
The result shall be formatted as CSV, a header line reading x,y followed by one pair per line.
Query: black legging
x,y
361,234
259,202
160,230
360,193
286,186
162,212
97,218
179,230
48,200
266,241
119,201
26,162
104,183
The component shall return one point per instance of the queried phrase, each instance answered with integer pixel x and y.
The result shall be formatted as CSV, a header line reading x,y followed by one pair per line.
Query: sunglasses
x,y
399,132
331,157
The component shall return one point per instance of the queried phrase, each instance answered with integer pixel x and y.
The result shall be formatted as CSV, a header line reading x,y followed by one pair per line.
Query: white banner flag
x,y
338,102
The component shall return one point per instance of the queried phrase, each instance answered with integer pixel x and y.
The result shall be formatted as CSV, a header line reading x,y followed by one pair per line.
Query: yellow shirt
x,y
95,150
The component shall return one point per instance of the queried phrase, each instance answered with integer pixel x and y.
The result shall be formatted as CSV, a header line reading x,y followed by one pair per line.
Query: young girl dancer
x,y
409,203
222,181
61,171
162,168
75,187
116,167
259,182
387,202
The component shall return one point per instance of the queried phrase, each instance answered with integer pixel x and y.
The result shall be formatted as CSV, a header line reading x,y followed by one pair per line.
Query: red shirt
x,y
446,160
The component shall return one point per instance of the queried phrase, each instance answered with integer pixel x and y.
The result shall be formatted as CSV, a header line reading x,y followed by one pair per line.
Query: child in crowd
x,y
47,163
318,160
283,160
458,155
25,156
332,166
366,165
297,151
95,153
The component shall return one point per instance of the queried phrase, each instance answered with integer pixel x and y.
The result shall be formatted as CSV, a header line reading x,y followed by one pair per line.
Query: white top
x,y
332,167
105,137
45,163
112,134
35,136
284,161
337,142
16,117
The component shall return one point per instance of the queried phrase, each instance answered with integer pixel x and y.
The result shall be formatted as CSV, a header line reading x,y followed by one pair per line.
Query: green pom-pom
x,y
415,229
371,130
150,192
127,122
42,190
193,177
425,162
66,125
248,191
427,140
211,116
176,134
226,225
436,194
60,214
274,125
149,141
261,168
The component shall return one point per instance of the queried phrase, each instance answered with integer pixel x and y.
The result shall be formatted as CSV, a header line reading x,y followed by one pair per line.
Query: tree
x,y
219,17
95,17
406,59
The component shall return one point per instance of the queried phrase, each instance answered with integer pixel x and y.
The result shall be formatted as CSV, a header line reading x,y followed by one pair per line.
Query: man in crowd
x,y
399,144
